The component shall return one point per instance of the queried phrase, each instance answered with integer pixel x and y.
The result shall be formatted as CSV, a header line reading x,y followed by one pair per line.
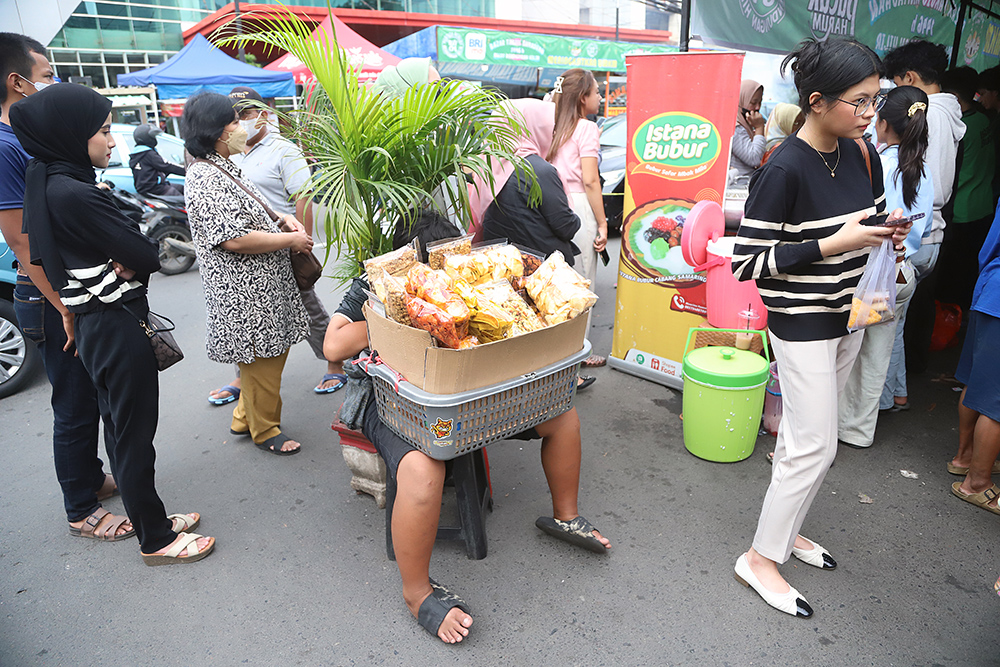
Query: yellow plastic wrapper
x,y
489,321
559,292
526,320
435,287
486,265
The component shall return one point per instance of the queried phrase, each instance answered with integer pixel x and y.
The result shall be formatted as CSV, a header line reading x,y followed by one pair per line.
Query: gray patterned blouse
x,y
253,308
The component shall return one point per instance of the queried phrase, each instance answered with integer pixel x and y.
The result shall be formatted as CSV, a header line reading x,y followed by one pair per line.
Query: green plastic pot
x,y
723,399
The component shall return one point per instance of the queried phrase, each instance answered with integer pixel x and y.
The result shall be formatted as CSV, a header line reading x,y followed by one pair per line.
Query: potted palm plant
x,y
375,158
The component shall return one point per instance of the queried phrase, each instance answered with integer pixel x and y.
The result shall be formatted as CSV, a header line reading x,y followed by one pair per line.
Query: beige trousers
x,y
812,374
259,407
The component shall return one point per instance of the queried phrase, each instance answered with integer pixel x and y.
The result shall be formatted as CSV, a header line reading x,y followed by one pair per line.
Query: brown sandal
x,y
963,470
108,489
102,525
982,499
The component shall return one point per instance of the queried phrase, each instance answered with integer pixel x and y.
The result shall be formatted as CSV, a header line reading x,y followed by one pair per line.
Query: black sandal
x,y
578,532
274,444
436,606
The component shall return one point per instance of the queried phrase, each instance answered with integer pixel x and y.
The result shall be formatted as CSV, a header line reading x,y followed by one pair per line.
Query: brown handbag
x,y
306,268
165,348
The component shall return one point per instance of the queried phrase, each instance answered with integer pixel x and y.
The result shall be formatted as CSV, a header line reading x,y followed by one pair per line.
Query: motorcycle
x,y
165,221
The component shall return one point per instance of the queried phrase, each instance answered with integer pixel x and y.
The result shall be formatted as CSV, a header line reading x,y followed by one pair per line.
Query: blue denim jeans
x,y
76,417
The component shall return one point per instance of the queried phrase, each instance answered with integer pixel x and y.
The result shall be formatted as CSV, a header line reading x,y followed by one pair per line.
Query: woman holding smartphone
x,y
748,141
802,240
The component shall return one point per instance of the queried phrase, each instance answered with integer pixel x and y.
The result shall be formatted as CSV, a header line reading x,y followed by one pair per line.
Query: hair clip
x,y
914,108
557,89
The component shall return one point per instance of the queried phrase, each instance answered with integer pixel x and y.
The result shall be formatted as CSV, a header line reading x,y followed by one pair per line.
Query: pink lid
x,y
706,222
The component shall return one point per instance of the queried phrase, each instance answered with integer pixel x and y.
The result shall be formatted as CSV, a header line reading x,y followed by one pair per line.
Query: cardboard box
x,y
439,370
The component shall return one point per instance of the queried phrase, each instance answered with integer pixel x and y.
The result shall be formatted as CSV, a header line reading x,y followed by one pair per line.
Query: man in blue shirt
x,y
25,70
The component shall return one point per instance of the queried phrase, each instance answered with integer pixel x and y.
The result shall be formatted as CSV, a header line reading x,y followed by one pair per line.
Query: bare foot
x,y
122,529
766,571
289,446
455,626
219,393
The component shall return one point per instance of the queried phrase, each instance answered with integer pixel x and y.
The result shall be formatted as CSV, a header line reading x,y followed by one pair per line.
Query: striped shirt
x,y
794,203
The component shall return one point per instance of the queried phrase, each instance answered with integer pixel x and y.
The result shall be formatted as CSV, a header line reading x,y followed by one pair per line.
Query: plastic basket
x,y
445,426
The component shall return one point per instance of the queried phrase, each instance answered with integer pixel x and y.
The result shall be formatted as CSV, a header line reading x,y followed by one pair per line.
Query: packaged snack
x,y
467,342
436,287
559,292
489,321
395,298
439,250
445,328
486,265
531,259
525,319
874,299
394,263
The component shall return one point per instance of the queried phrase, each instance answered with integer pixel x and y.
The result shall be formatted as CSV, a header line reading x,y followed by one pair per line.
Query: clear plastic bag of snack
x,y
446,329
489,321
531,259
559,292
395,263
526,320
394,289
439,250
874,299
436,287
485,265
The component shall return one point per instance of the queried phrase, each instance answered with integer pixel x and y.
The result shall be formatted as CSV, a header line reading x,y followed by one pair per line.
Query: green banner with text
x,y
493,47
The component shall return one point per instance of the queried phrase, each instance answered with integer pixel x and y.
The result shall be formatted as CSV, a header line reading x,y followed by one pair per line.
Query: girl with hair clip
x,y
880,372
576,145
802,240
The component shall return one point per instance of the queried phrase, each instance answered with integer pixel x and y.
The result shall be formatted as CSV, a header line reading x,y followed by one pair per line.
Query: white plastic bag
x,y
874,300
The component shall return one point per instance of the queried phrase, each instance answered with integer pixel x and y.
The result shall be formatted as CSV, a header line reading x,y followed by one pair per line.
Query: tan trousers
x,y
259,407
812,374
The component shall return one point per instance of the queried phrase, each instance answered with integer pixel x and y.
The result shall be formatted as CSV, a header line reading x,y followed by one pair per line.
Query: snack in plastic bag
x,y
486,265
559,292
395,298
525,319
436,321
874,299
439,250
436,287
489,321
394,263
531,261
467,342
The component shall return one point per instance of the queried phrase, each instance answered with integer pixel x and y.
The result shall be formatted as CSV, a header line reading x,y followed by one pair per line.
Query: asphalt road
x,y
300,575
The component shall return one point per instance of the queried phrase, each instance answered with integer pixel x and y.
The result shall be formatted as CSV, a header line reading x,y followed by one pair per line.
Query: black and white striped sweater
x,y
793,203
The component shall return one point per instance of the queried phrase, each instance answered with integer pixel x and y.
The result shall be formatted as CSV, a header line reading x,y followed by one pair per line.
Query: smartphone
x,y
605,257
881,220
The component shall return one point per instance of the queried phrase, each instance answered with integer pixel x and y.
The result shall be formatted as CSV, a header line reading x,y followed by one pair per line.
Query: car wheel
x,y
173,260
18,356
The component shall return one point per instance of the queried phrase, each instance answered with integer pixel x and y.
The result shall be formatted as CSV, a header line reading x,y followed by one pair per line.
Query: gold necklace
x,y
825,163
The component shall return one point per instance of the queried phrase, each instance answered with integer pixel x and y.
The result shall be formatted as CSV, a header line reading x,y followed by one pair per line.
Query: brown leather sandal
x,y
102,525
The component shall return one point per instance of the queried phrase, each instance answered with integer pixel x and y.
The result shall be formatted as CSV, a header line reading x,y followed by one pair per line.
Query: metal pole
x,y
616,21
239,31
685,25
959,25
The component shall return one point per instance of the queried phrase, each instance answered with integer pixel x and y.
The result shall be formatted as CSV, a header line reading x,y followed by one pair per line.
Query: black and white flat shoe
x,y
791,602
817,556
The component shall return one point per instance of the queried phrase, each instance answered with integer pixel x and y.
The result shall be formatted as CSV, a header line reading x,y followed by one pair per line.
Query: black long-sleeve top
x,y
149,171
90,233
548,227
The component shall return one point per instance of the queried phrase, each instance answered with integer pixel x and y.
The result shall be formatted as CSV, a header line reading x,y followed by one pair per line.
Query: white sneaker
x,y
817,556
791,602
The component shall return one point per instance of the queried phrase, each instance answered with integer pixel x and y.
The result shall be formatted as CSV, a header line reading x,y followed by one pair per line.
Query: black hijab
x,y
53,126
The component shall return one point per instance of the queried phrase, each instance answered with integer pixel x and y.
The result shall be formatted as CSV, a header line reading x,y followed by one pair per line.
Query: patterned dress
x,y
252,303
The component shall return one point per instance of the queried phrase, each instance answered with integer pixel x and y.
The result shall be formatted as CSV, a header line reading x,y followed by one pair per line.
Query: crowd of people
x,y
815,180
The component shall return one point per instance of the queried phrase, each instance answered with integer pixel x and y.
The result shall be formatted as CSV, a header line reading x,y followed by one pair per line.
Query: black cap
x,y
242,95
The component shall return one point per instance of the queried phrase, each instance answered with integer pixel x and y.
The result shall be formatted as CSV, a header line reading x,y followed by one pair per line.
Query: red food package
x,y
445,328
435,287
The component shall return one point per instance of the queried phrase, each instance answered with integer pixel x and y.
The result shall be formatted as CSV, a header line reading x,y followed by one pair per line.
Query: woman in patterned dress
x,y
253,309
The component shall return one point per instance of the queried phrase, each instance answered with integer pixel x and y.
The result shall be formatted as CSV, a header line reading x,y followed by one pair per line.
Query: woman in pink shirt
x,y
576,145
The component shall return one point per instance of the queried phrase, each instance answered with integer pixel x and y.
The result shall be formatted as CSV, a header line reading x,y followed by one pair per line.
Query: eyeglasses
x,y
861,107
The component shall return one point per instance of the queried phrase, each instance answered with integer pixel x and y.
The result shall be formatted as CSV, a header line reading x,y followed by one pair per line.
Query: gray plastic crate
x,y
444,426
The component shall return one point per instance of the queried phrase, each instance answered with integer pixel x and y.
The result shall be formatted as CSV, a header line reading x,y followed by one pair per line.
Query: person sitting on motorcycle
x,y
149,170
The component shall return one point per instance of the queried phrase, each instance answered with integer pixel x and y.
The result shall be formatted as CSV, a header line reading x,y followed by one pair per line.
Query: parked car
x,y
614,139
19,358
118,172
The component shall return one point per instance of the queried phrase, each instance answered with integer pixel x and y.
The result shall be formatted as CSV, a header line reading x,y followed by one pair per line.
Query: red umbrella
x,y
367,59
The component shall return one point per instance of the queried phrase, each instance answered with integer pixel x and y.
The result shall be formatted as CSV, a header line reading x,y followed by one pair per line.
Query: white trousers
x,y
812,374
586,262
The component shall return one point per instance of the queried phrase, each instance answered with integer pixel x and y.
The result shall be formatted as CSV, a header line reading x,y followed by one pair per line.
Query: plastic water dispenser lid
x,y
726,367
705,222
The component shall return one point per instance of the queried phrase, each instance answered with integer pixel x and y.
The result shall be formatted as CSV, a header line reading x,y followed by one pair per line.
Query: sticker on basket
x,y
443,443
442,427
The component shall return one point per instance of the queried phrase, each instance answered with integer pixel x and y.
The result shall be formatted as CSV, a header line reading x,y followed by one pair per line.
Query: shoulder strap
x,y
864,151
274,216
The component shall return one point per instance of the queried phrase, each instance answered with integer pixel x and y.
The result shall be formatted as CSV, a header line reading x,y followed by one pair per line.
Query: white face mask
x,y
39,86
251,126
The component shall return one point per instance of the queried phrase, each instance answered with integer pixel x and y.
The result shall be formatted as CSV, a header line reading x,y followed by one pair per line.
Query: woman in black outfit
x,y
100,262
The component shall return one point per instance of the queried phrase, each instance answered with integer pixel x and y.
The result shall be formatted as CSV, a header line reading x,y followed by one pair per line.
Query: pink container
x,y
706,249
772,402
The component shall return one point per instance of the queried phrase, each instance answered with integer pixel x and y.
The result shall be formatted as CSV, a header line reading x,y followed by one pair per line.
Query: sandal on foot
x,y
235,432
182,523
584,381
436,606
102,525
577,532
339,377
234,394
108,489
982,499
186,542
594,361
964,470
275,443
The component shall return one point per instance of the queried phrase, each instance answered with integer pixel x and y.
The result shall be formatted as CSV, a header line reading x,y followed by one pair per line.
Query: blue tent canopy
x,y
200,66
